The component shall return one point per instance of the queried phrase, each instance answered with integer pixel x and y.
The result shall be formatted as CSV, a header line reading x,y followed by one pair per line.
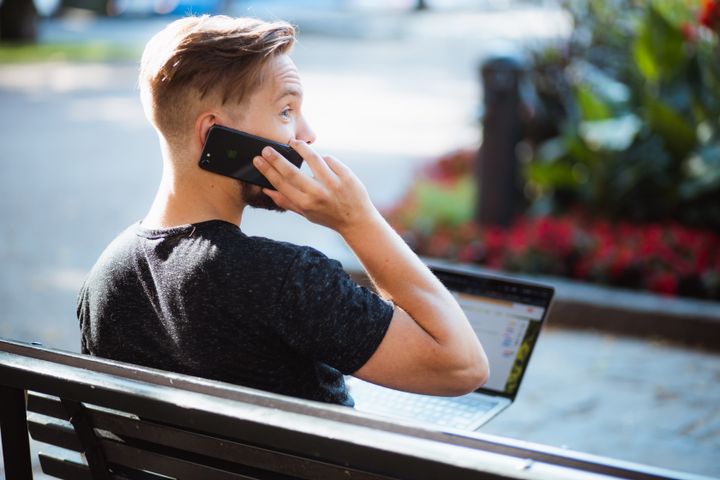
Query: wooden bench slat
x,y
69,470
62,436
125,455
64,469
124,473
46,405
198,443
225,449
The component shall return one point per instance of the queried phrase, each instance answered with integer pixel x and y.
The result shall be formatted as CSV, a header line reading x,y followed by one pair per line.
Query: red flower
x,y
494,239
517,241
689,32
554,237
582,269
623,259
439,244
710,15
452,166
471,253
663,282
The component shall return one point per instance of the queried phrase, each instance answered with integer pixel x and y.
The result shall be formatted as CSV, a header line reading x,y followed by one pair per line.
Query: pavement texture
x,y
385,92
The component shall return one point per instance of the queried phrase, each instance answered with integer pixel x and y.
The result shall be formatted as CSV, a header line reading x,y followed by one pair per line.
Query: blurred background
x,y
576,143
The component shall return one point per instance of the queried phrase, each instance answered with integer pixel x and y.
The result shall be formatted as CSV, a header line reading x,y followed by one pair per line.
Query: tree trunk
x,y
421,5
18,21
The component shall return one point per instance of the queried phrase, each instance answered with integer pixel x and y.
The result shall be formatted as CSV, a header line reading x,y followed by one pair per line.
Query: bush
x,y
638,88
435,219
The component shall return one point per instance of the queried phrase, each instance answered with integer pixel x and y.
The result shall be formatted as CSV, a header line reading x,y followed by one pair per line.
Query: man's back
x,y
208,300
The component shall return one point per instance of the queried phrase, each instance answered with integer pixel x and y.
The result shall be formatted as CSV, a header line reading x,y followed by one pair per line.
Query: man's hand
x,y
334,197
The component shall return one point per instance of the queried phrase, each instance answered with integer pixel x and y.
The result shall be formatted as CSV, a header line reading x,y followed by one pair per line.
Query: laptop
x,y
507,316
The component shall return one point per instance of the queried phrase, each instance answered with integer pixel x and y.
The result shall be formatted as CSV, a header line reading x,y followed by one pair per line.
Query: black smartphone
x,y
230,152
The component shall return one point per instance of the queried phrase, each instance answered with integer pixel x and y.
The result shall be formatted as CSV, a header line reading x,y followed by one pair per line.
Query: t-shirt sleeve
x,y
325,315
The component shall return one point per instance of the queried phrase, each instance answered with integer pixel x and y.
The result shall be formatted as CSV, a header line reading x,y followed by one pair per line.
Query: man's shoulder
x,y
287,255
284,248
223,247
213,248
119,248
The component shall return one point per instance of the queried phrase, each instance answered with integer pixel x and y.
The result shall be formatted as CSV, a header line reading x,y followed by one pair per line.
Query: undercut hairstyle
x,y
196,61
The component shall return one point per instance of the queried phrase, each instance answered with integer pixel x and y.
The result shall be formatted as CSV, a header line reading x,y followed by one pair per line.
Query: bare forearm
x,y
402,276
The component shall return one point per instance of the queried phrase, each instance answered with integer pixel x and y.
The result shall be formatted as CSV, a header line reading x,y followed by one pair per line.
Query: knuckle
x,y
291,174
269,153
323,197
304,204
274,178
259,163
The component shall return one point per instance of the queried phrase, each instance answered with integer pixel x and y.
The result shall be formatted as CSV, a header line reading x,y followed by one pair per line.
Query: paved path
x,y
78,163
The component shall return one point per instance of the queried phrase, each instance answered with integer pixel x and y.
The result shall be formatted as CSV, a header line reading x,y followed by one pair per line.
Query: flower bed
x,y
435,218
621,166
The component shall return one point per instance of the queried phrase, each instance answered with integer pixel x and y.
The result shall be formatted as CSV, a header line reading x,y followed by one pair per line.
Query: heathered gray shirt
x,y
208,300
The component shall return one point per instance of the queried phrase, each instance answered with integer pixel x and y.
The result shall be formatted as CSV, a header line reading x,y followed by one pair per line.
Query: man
x,y
186,290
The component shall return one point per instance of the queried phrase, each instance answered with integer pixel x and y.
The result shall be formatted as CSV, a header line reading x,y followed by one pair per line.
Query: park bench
x,y
131,422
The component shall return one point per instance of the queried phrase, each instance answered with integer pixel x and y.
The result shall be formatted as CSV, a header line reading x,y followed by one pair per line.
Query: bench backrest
x,y
137,423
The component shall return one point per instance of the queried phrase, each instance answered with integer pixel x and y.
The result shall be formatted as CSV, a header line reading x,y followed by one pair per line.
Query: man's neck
x,y
184,199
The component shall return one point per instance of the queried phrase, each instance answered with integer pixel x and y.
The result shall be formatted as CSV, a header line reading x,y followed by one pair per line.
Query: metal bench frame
x,y
135,422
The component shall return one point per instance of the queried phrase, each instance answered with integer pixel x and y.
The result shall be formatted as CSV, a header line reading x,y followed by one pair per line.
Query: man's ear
x,y
202,126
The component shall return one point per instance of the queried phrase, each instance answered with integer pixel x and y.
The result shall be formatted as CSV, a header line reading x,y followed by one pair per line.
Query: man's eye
x,y
285,113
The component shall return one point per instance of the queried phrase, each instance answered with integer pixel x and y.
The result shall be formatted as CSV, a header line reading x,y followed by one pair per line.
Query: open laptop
x,y
507,316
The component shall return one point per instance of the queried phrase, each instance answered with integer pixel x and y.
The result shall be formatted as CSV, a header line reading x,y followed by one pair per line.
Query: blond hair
x,y
196,59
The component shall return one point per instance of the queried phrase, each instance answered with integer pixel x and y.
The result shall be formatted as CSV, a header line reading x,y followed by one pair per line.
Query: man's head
x,y
235,72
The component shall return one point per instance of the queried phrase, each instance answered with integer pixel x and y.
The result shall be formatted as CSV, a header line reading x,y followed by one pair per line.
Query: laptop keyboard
x,y
457,412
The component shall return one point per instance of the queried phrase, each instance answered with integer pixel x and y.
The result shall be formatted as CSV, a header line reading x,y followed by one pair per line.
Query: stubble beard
x,y
253,196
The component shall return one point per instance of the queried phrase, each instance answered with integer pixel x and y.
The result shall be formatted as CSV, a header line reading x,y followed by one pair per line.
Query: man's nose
x,y
305,132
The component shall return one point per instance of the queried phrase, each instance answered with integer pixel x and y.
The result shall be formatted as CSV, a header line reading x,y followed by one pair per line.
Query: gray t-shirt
x,y
208,300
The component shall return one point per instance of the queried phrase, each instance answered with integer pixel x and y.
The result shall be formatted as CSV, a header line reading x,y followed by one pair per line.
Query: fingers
x,y
316,163
333,198
291,187
339,168
279,171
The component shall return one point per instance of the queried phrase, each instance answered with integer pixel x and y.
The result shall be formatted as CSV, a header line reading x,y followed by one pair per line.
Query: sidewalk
x,y
79,163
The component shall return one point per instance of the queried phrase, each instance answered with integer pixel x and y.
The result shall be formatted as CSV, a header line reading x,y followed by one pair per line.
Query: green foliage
x,y
86,52
658,47
639,133
447,206
591,106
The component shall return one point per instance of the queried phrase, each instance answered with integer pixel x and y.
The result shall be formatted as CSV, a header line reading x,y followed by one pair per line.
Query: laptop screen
x,y
507,316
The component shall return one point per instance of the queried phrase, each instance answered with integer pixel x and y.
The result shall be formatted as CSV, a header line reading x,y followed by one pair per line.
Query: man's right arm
x,y
430,346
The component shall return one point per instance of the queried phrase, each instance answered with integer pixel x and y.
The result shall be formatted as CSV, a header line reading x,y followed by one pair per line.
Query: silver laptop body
x,y
507,316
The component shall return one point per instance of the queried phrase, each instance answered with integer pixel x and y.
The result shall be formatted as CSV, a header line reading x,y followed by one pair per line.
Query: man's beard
x,y
253,196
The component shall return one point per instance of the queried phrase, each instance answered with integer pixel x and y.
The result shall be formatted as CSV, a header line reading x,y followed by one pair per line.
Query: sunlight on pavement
x,y
56,77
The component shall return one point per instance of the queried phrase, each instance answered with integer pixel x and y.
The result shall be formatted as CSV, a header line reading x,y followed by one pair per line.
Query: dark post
x,y
500,189
13,427
420,5
18,21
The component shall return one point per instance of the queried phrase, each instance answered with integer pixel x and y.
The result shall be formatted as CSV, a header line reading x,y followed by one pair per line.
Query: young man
x,y
186,290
